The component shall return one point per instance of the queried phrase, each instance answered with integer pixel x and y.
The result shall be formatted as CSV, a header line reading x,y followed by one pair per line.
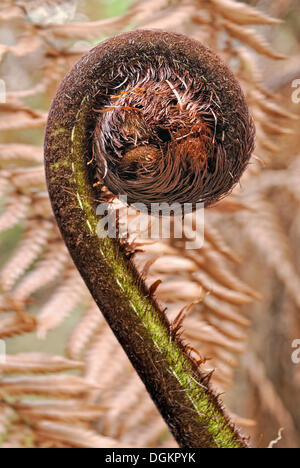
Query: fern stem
x,y
180,390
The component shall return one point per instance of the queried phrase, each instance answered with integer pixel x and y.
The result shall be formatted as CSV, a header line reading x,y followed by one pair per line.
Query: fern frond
x,y
269,398
214,237
228,329
28,177
215,288
45,271
22,120
27,251
71,292
151,427
265,231
72,411
15,211
216,267
270,107
37,363
20,154
106,345
75,436
150,434
175,290
252,39
91,323
242,14
17,324
200,331
50,385
6,417
122,402
176,18
4,183
137,417
225,310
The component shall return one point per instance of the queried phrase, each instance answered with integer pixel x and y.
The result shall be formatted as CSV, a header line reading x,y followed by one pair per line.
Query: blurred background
x,y
64,381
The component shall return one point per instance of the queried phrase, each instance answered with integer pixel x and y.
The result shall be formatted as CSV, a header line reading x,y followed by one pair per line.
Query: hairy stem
x,y
180,390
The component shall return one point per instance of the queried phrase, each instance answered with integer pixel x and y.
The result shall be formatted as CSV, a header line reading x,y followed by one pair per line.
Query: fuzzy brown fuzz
x,y
171,122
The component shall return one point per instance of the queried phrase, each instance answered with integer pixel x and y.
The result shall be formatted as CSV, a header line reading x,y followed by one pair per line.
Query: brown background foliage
x,y
66,382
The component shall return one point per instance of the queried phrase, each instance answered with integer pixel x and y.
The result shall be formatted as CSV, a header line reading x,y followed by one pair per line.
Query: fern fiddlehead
x,y
163,120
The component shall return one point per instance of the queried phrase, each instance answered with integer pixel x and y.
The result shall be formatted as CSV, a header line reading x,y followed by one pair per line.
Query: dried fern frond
x,y
28,250
22,121
19,154
37,363
46,270
66,386
265,230
72,411
16,210
16,324
79,437
252,39
242,14
71,292
269,399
